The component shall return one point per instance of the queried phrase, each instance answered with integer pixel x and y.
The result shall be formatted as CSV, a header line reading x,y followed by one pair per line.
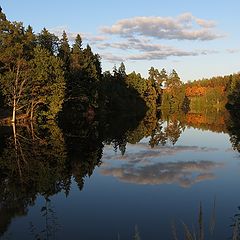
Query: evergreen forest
x,y
43,78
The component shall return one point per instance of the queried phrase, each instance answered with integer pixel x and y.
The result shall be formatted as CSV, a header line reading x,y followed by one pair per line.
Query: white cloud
x,y
139,34
112,58
205,23
157,55
148,51
233,50
90,38
183,27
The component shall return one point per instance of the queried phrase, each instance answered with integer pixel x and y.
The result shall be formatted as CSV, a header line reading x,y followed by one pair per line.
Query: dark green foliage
x,y
157,77
173,81
16,51
185,104
64,52
233,90
29,75
174,97
82,82
117,93
47,86
233,127
1,100
120,73
48,41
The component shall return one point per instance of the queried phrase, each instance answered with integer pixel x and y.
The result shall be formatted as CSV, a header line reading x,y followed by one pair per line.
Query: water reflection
x,y
183,173
32,163
233,127
43,160
150,166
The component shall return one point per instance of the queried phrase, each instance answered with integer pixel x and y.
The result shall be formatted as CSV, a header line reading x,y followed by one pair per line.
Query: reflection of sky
x,y
142,188
183,173
201,138
204,138
181,164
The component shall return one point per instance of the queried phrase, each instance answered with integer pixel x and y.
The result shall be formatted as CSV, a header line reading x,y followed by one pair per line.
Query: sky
x,y
199,39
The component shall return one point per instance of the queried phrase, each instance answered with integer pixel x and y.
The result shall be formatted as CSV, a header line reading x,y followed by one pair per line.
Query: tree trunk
x,y
14,135
32,109
15,94
14,110
16,149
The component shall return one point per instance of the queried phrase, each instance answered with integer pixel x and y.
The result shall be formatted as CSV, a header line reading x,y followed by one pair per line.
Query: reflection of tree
x,y
158,135
115,130
33,162
169,128
51,225
233,127
144,129
171,132
83,158
42,159
236,225
212,120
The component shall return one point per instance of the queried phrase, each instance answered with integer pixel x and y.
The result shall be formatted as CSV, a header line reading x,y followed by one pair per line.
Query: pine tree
x,y
163,77
64,51
122,72
173,80
91,65
174,94
48,41
76,55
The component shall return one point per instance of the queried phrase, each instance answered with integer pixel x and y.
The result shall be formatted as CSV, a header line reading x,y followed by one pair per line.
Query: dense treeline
x,y
42,75
216,92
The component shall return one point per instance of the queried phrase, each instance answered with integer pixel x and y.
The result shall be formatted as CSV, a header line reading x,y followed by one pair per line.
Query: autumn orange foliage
x,y
203,121
197,91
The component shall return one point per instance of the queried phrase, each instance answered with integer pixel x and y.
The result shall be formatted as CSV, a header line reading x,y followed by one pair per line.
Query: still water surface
x,y
132,190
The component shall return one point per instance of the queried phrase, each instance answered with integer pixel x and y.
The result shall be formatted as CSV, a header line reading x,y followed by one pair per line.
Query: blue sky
x,y
197,38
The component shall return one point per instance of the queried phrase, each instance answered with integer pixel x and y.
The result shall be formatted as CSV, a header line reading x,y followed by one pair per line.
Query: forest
x,y
46,78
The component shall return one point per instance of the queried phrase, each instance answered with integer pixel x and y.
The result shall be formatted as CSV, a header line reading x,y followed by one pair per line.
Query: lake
x,y
154,178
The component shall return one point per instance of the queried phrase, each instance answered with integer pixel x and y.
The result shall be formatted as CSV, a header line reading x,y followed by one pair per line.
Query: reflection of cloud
x,y
145,152
183,173
184,26
142,165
